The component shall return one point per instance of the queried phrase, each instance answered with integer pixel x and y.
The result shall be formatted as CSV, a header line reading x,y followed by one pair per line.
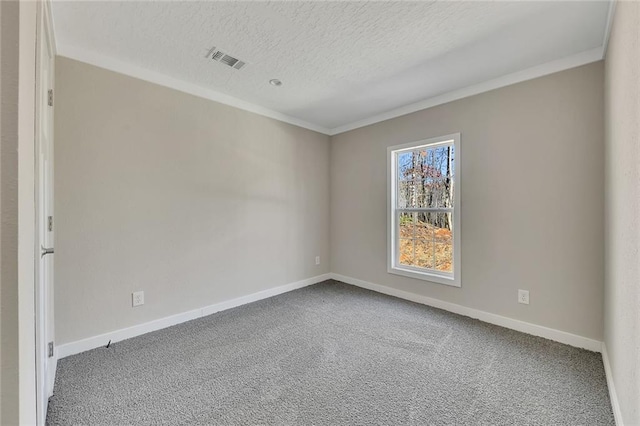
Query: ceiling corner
x,y
131,70
572,61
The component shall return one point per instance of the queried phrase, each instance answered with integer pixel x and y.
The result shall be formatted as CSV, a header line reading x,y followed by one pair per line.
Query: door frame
x,y
45,366
26,386
28,15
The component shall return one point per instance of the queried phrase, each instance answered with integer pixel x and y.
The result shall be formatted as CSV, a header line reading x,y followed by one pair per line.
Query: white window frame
x,y
393,265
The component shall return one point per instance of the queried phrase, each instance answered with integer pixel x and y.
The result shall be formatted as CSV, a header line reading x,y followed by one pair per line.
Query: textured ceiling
x,y
340,62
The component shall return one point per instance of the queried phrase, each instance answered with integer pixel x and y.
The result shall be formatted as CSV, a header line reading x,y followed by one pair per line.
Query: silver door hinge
x,y
50,223
50,101
50,346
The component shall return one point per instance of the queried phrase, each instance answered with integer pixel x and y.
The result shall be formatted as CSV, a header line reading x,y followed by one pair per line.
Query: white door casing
x,y
45,355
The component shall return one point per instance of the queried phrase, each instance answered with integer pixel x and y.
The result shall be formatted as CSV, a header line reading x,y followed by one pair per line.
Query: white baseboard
x,y
613,396
137,330
76,347
524,327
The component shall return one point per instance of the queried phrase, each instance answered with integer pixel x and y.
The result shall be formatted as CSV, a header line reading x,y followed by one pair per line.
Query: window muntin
x,y
424,214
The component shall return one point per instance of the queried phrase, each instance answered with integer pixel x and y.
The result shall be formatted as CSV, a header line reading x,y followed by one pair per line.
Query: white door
x,y
45,356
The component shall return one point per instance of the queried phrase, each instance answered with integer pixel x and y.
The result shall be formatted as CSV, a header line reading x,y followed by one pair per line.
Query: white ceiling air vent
x,y
219,56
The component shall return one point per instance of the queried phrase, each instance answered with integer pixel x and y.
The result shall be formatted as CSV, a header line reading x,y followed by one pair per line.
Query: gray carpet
x,y
332,354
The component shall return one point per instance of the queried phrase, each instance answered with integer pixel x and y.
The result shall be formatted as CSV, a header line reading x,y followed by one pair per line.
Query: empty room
x,y
320,212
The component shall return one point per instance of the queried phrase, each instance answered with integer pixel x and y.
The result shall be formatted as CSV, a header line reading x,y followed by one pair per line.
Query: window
x,y
424,210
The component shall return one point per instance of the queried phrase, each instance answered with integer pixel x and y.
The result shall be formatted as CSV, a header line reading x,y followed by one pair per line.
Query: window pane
x,y
424,229
416,252
433,193
424,195
443,161
427,193
406,252
428,158
406,225
408,193
424,178
406,165
424,254
442,224
442,234
426,241
444,257
438,193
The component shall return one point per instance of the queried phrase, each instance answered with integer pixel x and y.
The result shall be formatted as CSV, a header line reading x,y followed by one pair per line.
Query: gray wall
x,y
531,195
189,200
622,177
9,17
168,193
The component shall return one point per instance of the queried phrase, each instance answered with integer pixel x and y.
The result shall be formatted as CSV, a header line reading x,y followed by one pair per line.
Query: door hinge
x,y
50,346
50,101
50,223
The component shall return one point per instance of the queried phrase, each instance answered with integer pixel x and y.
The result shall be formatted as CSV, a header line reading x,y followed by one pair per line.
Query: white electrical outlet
x,y
523,296
317,260
137,298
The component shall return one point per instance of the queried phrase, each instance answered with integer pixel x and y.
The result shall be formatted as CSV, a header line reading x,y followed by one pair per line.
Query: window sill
x,y
425,276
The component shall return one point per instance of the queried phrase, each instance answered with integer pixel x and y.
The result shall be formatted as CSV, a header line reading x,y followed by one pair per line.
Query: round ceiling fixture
x,y
275,82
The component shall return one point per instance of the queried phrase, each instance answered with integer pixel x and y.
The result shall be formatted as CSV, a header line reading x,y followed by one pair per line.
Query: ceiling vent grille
x,y
219,56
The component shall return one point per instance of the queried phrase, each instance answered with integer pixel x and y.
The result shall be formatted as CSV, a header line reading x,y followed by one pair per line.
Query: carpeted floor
x,y
332,354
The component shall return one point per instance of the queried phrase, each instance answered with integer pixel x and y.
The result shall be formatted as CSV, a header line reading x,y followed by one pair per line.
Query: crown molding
x,y
558,65
145,74
116,65
562,64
